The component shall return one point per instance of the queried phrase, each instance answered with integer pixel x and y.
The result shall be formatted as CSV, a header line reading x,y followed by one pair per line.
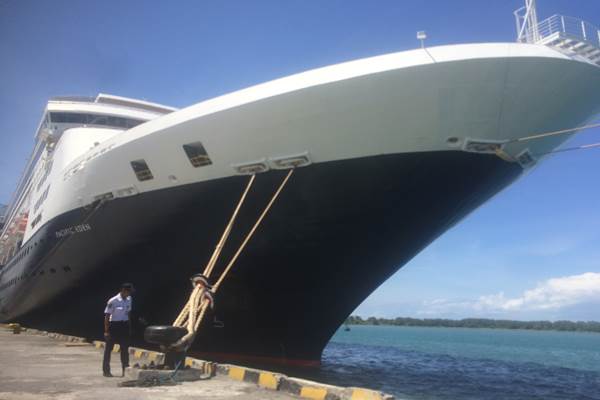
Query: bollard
x,y
175,359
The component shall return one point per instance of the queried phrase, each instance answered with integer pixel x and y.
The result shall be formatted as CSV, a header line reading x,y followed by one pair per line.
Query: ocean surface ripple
x,y
464,364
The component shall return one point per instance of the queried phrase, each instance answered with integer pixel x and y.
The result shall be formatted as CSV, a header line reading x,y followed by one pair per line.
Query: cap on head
x,y
127,286
200,278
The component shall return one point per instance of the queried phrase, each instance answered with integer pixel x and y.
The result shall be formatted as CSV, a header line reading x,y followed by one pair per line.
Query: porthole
x,y
52,270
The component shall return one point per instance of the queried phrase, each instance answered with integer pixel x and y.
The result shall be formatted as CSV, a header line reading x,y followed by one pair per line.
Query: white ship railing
x,y
568,34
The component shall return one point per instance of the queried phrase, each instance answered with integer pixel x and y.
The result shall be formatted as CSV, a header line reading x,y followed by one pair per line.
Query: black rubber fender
x,y
164,334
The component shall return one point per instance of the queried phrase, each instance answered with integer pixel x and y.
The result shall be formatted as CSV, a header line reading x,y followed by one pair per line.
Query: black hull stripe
x,y
338,231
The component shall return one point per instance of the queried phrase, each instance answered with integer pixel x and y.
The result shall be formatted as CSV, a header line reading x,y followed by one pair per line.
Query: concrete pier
x,y
36,367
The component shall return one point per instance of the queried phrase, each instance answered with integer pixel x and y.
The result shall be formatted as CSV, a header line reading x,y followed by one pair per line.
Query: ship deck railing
x,y
570,35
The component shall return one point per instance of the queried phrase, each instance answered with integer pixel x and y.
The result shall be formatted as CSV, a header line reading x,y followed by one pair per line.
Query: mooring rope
x,y
225,236
185,312
193,312
251,233
570,131
582,147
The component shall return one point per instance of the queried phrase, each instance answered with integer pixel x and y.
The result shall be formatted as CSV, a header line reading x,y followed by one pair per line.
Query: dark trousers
x,y
119,333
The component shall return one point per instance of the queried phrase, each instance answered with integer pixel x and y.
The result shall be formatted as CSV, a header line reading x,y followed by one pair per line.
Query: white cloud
x,y
552,294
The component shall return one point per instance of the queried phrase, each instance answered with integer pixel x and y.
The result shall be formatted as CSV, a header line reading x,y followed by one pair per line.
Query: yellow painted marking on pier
x,y
189,362
365,394
98,344
314,393
237,373
137,353
152,356
267,380
116,348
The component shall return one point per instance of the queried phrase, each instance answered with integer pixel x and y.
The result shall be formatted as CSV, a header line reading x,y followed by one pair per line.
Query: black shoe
x,y
107,375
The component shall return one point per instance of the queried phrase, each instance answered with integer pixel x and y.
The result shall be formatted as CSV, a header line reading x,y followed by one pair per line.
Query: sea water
x,y
461,364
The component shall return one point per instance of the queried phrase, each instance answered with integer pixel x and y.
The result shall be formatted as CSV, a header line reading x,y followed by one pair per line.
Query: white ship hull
x,y
394,150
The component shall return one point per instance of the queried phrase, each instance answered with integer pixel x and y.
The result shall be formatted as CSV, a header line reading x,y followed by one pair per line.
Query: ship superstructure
x,y
3,209
102,116
389,151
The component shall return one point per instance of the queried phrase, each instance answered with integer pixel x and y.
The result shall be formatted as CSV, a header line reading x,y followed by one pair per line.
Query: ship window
x,y
68,118
36,221
93,119
141,169
130,123
41,200
47,170
197,155
98,120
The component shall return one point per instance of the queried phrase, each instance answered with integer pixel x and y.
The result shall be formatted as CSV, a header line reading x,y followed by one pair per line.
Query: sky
x,y
530,253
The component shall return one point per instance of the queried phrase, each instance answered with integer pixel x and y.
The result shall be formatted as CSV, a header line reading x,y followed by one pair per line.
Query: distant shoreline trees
x,y
568,326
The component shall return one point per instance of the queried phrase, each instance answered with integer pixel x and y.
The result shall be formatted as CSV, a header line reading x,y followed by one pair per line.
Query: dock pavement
x,y
36,367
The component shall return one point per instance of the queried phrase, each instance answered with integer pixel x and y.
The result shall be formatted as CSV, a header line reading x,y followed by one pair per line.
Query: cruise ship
x,y
389,152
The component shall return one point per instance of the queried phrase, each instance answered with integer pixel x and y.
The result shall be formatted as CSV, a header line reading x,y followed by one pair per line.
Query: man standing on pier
x,y
117,327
